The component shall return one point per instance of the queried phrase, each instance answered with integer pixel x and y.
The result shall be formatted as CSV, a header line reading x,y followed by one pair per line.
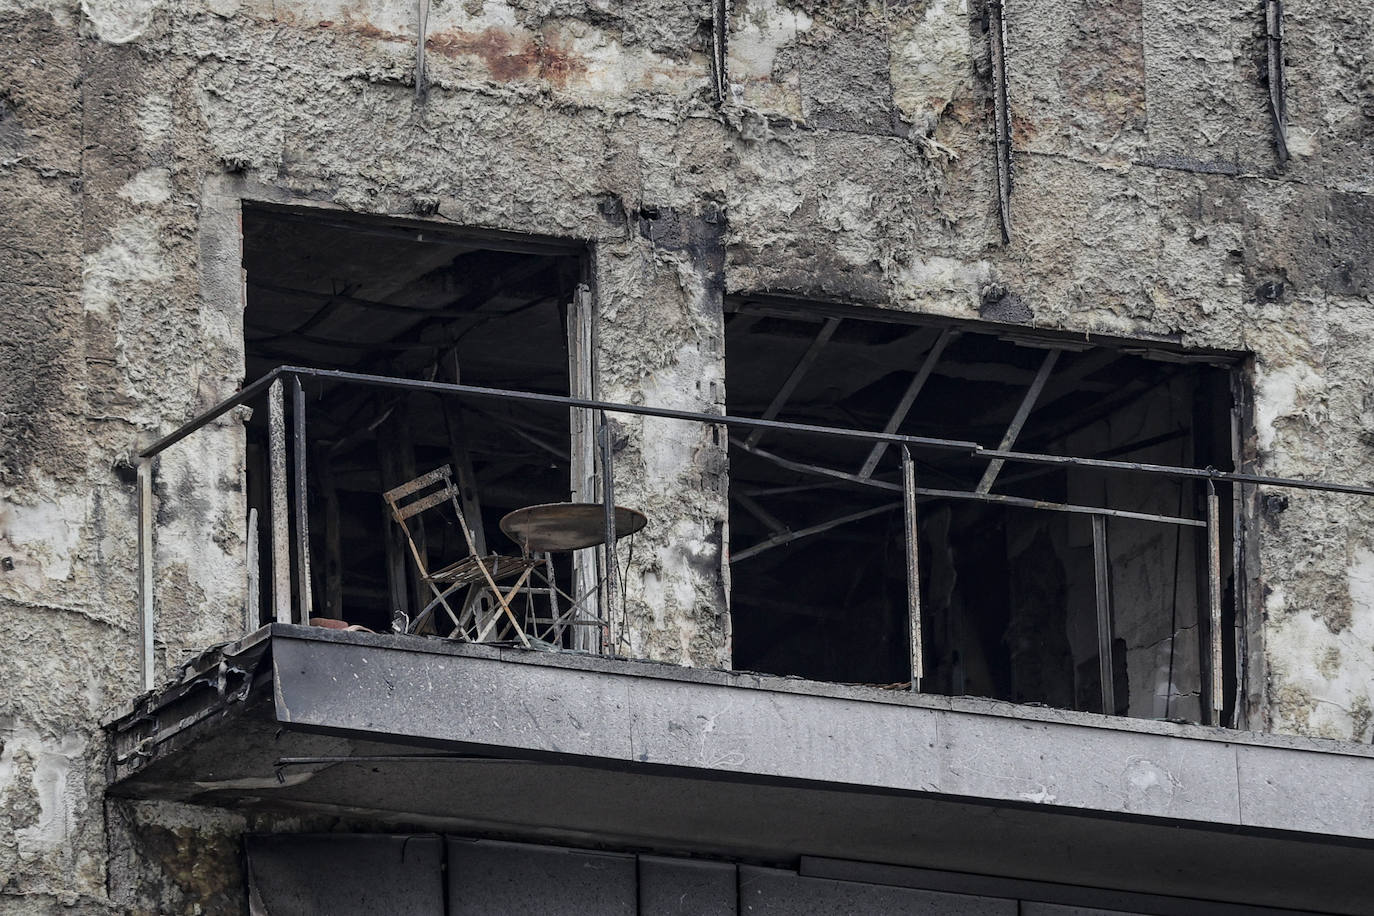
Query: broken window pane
x,y
1009,598
400,300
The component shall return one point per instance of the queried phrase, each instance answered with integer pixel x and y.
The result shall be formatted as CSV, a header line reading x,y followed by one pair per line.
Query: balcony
x,y
403,731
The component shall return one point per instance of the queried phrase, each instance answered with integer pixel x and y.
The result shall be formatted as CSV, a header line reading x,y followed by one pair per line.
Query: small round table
x,y
567,526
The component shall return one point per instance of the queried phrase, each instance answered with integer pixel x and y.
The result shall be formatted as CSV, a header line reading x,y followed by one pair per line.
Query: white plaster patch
x,y
1041,796
150,186
133,255
1301,649
41,538
1302,142
120,21
1148,785
940,284
1279,394
762,28
930,62
846,208
154,118
51,783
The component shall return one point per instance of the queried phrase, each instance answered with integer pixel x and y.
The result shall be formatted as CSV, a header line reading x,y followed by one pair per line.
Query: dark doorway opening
x,y
1008,598
411,300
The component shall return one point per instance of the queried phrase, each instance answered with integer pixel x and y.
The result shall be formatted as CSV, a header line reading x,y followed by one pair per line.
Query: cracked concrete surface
x,y
851,161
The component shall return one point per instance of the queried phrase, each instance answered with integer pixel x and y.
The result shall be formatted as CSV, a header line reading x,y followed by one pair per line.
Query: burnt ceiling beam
x,y
797,374
414,311
787,537
1018,421
908,398
1128,395
1067,381
752,506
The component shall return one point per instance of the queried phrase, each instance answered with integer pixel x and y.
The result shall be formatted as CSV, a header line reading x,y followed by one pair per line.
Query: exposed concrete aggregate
x,y
851,161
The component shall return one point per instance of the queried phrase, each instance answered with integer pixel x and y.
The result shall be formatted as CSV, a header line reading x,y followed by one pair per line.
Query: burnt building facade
x,y
983,386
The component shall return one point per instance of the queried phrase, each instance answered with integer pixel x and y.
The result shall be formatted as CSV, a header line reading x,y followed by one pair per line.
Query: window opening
x,y
390,298
1008,592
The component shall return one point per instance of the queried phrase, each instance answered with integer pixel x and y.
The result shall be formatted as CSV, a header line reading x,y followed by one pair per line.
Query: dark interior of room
x,y
1007,593
386,298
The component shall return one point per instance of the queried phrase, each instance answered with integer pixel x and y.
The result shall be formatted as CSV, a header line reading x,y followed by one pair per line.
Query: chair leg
x,y
505,606
441,599
486,574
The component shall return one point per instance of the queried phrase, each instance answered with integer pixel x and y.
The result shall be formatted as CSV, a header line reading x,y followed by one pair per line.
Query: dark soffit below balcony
x,y
407,733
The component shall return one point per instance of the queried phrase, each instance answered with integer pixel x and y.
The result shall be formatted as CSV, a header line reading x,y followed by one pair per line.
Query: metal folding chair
x,y
480,575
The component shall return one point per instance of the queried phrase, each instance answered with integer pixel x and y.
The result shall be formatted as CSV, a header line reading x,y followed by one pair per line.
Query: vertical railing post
x,y
608,500
252,606
281,540
145,571
582,422
1102,583
299,501
1216,694
913,569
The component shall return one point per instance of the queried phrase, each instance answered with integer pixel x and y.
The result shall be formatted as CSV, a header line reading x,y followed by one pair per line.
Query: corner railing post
x,y
145,571
281,540
608,499
299,500
1216,698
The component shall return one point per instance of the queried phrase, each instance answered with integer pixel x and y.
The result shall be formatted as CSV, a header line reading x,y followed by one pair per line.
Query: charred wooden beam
x,y
1022,414
908,398
795,376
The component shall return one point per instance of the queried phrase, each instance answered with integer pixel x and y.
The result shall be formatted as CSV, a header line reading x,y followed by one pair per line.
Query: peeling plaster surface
x,y
850,161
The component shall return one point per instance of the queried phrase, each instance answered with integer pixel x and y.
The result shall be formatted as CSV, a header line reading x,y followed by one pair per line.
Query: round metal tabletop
x,y
567,526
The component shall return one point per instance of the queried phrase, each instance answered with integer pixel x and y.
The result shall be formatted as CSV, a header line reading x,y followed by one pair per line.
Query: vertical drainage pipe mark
x,y
422,34
1277,79
997,45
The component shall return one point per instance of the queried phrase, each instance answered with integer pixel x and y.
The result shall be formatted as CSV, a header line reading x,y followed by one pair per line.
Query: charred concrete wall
x,y
851,159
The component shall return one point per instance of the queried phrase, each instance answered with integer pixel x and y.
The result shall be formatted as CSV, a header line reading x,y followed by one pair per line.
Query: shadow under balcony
x,y
406,733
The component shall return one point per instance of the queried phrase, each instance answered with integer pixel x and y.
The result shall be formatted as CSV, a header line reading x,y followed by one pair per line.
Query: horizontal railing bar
x,y
1058,507
1165,470
243,396
971,495
972,448
666,413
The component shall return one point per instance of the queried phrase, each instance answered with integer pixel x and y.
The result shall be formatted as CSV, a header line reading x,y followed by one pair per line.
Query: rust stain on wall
x,y
511,57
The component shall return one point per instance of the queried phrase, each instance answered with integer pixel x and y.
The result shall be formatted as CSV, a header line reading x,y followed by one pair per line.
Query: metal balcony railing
x,y
288,517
